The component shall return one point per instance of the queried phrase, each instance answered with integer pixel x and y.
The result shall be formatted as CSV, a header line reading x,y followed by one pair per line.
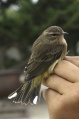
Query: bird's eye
x,y
54,34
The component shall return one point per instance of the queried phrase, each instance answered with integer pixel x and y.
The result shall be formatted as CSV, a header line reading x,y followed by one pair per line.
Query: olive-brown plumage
x,y
49,49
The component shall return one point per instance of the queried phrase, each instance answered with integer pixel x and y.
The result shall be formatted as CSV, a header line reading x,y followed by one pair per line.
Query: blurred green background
x,y
22,21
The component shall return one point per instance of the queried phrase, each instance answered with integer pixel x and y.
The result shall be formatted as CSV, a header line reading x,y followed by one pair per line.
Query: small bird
x,y
47,50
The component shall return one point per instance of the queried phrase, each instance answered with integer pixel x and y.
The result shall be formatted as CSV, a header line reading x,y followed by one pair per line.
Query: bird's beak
x,y
64,33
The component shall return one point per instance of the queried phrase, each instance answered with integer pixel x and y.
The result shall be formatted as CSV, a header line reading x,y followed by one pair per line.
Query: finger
x,y
58,84
67,70
73,59
50,95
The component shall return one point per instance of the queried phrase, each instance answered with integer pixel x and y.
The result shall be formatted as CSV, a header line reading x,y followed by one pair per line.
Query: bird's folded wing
x,y
41,60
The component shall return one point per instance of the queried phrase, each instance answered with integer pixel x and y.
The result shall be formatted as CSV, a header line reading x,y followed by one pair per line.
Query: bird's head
x,y
54,32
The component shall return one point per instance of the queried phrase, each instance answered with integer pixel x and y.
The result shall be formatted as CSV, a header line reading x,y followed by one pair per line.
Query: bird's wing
x,y
42,58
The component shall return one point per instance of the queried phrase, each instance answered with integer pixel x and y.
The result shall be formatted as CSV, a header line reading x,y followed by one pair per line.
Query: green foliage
x,y
22,26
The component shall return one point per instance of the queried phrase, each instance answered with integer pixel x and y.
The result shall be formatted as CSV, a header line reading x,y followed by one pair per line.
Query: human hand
x,y
62,96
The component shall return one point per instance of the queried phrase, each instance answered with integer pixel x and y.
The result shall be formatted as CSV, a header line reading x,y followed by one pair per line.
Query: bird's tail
x,y
27,92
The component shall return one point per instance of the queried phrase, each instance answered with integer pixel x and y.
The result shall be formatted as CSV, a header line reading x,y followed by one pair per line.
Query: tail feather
x,y
35,95
30,94
18,98
27,92
22,92
14,94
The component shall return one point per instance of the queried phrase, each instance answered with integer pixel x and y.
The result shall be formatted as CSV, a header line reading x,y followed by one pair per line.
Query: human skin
x,y
62,95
